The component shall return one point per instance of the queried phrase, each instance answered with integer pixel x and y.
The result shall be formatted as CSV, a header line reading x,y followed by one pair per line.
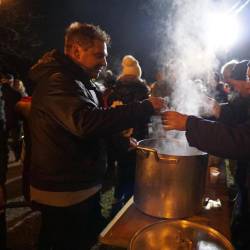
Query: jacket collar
x,y
78,72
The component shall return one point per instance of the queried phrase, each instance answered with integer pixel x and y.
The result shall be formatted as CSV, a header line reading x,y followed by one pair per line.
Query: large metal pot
x,y
170,178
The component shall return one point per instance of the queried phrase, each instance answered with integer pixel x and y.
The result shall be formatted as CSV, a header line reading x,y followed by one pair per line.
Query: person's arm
x,y
80,115
212,137
219,139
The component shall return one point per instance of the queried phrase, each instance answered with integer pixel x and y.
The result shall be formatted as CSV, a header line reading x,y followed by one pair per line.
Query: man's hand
x,y
216,109
213,107
174,120
158,103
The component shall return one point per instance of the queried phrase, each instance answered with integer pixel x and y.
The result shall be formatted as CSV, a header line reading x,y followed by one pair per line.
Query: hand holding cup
x,y
173,120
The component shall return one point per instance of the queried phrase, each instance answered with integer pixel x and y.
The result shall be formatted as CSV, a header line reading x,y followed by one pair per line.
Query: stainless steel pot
x,y
179,235
170,178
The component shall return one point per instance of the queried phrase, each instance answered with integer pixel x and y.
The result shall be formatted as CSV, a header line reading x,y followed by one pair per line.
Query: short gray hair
x,y
84,34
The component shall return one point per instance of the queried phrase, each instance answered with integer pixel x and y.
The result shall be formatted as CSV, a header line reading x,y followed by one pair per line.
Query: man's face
x,y
93,59
226,74
7,80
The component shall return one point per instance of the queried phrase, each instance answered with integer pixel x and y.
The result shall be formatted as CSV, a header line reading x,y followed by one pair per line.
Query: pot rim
x,y
166,155
209,230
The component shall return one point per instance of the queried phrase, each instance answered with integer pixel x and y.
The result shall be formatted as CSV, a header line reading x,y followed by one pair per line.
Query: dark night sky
x,y
133,26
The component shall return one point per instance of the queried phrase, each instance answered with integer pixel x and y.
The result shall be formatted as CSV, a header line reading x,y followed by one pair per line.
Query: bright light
x,y
223,31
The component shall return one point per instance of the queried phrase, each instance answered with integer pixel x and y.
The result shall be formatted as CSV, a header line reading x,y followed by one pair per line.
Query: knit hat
x,y
130,66
240,70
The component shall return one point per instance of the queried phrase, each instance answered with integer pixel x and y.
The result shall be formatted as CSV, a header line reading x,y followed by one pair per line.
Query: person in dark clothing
x,y
162,86
109,82
13,123
129,88
235,117
69,128
23,109
220,92
237,111
3,170
216,138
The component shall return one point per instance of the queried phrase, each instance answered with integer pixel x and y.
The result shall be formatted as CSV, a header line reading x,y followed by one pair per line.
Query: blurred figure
x,y
3,170
19,86
109,82
23,109
221,91
161,87
130,87
13,123
235,112
229,139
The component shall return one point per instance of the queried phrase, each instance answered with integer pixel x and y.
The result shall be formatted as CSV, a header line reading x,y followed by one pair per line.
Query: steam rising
x,y
187,48
186,42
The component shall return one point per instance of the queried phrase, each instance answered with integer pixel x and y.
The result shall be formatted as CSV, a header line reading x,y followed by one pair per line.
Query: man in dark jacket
x,y
68,129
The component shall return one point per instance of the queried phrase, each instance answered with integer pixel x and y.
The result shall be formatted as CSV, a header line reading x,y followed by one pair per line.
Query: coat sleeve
x,y
235,112
80,115
219,139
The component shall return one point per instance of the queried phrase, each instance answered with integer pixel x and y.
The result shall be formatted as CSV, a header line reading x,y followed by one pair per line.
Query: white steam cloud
x,y
187,41
188,49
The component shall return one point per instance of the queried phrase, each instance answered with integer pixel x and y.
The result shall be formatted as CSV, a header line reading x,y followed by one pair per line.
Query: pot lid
x,y
179,235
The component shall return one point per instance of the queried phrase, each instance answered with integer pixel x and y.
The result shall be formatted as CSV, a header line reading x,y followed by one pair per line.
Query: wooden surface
x,y
129,220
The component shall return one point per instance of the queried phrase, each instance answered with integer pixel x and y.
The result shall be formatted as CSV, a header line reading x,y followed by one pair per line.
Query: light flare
x,y
223,31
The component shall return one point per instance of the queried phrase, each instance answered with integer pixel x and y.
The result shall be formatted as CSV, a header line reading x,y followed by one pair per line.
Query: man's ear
x,y
75,50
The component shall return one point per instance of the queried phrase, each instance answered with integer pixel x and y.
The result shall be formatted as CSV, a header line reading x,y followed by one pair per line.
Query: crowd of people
x,y
83,122
11,91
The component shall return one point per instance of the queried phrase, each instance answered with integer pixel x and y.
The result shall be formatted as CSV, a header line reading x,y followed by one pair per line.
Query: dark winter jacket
x,y
68,125
236,111
130,89
216,138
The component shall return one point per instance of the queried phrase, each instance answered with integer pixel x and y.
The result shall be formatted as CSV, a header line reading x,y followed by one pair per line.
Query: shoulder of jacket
x,y
60,76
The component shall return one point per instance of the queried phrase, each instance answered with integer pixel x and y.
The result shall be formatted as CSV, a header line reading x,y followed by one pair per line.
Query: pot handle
x,y
171,160
149,150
